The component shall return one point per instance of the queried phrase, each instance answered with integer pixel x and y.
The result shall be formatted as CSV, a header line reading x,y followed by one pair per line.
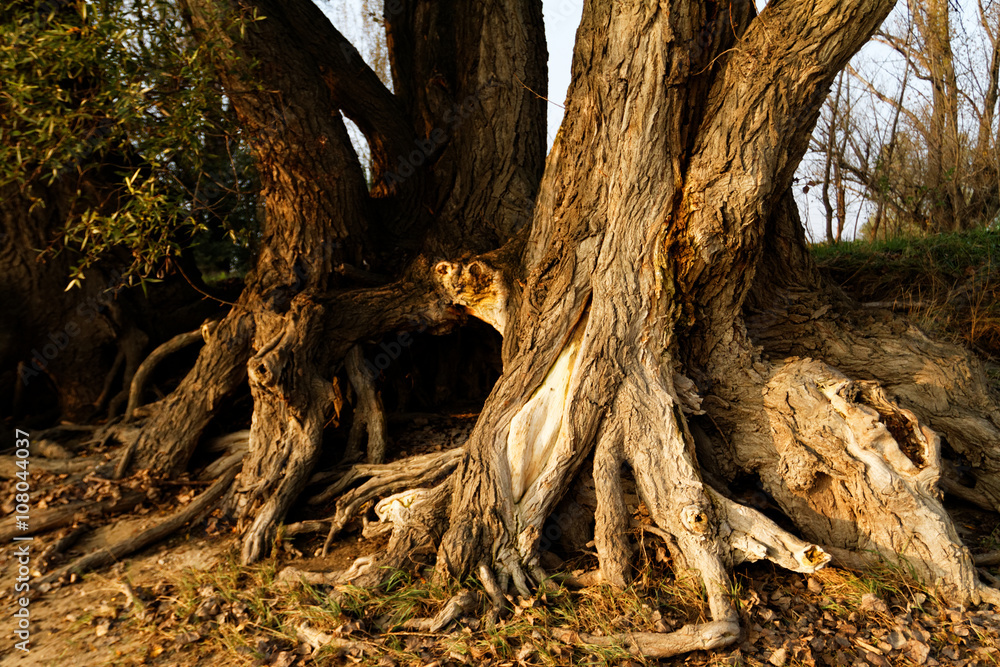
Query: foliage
x,y
116,98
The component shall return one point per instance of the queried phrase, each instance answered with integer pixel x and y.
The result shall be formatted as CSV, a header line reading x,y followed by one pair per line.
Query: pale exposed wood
x,y
401,475
859,473
752,537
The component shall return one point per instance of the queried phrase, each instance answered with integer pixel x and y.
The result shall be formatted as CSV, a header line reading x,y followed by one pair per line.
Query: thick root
x,y
751,536
292,405
391,478
369,415
942,384
178,342
859,473
169,437
108,555
695,637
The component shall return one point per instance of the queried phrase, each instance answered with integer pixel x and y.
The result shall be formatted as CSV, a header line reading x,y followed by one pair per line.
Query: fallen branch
x,y
8,466
108,555
695,637
64,515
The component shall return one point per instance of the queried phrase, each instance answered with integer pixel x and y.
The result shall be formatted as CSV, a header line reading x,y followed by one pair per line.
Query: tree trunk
x,y
651,220
298,319
665,200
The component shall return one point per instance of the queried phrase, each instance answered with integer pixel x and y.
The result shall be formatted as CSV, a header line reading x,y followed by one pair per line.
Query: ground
x,y
187,601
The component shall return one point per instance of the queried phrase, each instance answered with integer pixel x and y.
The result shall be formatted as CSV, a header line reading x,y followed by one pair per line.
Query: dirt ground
x,y
831,618
67,622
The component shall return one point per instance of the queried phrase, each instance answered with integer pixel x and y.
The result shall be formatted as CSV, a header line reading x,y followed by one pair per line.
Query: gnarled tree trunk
x,y
441,165
664,201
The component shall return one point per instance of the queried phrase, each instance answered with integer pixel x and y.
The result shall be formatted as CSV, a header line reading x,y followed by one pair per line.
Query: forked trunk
x,y
302,312
670,165
664,202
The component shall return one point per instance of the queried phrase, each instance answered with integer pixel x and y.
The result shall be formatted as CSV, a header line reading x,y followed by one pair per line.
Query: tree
x,y
930,169
633,273
97,189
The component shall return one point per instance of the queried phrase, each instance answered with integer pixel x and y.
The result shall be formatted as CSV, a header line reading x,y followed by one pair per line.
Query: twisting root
x,y
178,342
388,479
108,555
369,415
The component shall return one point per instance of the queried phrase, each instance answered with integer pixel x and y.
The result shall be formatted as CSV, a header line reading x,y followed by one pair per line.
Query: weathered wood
x,y
405,474
64,515
369,415
697,637
9,468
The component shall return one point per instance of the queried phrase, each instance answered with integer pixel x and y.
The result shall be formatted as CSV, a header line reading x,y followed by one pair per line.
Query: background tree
x,y
923,155
108,118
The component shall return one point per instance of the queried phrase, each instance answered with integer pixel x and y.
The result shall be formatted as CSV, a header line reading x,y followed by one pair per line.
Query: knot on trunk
x,y
695,520
477,287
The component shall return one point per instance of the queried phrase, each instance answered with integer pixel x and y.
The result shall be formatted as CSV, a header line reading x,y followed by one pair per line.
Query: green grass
x,y
948,284
948,253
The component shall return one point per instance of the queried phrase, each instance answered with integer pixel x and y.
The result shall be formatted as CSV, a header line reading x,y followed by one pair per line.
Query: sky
x,y
880,64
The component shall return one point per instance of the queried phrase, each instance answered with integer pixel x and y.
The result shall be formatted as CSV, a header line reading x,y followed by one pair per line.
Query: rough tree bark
x,y
300,314
664,201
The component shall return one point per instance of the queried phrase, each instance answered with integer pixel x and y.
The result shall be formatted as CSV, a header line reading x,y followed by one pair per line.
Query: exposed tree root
x,y
985,560
369,415
292,404
390,479
463,602
178,342
65,515
59,547
854,471
696,637
168,438
751,536
942,384
317,640
8,466
108,555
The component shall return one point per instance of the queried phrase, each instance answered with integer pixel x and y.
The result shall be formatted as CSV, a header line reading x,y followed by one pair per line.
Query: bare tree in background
x,y
928,162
